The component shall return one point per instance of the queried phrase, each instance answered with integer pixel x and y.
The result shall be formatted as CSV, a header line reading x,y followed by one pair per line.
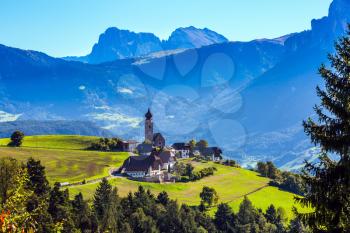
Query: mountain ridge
x,y
117,43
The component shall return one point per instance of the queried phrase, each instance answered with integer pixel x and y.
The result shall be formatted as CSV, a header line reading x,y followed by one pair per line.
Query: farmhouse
x,y
182,150
129,145
212,153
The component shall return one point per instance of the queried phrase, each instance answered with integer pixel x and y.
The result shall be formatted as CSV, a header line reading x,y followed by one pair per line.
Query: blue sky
x,y
71,27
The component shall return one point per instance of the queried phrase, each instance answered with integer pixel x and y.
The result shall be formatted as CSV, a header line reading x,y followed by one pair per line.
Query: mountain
x,y
116,44
247,97
52,127
191,37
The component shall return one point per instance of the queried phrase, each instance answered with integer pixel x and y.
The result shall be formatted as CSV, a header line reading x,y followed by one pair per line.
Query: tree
x,y
60,208
296,226
189,169
37,178
82,216
246,216
271,214
15,204
140,223
16,139
9,167
112,215
224,218
163,198
262,168
202,144
192,144
328,181
209,196
272,171
37,204
101,198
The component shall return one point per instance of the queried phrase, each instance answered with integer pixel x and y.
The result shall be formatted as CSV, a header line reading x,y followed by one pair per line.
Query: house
x,y
168,159
183,150
144,149
129,145
214,153
142,166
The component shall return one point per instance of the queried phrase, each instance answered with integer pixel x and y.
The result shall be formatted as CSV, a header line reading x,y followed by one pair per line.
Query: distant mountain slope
x,y
52,127
116,44
191,37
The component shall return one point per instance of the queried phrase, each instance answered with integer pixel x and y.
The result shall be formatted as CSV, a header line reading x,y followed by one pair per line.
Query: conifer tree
x,y
101,198
224,218
328,182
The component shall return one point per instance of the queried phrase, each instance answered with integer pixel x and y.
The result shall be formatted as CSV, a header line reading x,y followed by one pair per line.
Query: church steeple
x,y
148,126
148,114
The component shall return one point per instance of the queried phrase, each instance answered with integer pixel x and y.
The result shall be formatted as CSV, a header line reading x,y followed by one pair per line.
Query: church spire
x,y
148,115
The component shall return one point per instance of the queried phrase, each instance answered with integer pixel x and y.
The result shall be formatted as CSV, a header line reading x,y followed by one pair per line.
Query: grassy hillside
x,y
64,157
66,161
71,142
232,184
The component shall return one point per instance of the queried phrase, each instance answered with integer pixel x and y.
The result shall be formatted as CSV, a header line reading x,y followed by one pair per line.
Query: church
x,y
154,160
156,139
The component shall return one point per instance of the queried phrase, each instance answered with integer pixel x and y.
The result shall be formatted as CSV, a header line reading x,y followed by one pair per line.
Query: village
x,y
154,161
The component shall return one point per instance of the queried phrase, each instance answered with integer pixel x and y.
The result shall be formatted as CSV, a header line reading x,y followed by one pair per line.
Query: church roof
x,y
141,163
157,135
148,114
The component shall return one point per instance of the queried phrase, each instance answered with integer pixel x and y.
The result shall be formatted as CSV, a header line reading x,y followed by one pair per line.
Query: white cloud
x,y
5,116
125,90
82,87
116,119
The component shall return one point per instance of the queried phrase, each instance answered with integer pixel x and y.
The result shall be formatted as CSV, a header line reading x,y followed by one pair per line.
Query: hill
x,y
66,161
65,157
70,142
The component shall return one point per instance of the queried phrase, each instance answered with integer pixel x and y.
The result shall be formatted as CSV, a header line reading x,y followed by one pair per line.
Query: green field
x,y
70,142
66,161
64,157
232,184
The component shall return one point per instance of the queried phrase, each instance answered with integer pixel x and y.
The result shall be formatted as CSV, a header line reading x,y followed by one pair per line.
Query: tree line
x,y
29,204
285,180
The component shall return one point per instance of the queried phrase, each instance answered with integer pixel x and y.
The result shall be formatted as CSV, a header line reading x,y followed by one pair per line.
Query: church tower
x,y
148,126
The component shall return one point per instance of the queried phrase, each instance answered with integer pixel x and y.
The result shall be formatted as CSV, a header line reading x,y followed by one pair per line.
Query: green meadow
x,y
66,160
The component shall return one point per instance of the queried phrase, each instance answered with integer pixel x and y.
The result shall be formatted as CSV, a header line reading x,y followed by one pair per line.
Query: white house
x,y
182,150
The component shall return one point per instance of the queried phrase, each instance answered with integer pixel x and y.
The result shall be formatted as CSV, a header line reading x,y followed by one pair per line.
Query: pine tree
x,y
37,178
224,218
101,198
328,182
112,216
271,214
60,208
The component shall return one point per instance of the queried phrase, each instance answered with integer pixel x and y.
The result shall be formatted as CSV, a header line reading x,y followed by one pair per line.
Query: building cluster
x,y
154,160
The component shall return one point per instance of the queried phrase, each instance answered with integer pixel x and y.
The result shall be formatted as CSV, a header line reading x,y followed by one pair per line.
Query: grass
x,y
70,142
66,161
69,165
230,183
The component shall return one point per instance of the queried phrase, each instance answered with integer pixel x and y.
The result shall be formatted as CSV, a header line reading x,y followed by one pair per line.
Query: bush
x,y
16,139
107,144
